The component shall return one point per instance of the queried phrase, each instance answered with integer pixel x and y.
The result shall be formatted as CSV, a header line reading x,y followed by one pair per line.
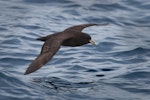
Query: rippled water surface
x,y
117,68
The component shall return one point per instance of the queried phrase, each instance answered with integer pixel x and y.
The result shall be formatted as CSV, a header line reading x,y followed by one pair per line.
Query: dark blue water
x,y
118,68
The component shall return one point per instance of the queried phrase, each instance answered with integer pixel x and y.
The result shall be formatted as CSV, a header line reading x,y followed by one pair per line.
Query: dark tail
x,y
42,38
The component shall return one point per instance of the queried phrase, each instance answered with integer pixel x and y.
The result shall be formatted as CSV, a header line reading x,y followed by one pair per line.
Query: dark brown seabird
x,y
71,36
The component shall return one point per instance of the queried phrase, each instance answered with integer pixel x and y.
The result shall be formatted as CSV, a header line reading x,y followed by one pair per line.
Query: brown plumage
x,y
71,36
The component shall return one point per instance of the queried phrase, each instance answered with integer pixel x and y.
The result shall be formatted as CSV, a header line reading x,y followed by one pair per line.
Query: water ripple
x,y
137,51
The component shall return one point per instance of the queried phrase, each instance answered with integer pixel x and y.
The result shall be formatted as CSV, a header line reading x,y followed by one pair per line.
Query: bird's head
x,y
88,39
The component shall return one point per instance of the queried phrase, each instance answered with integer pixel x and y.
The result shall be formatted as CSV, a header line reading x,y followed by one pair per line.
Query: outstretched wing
x,y
50,47
82,26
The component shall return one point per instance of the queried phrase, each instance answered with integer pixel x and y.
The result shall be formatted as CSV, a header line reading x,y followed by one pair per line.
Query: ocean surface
x,y
117,68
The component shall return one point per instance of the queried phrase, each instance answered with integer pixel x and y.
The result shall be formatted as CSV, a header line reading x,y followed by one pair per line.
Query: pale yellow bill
x,y
92,42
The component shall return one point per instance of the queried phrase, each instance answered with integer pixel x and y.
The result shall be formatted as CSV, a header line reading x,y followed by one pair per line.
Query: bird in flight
x,y
72,36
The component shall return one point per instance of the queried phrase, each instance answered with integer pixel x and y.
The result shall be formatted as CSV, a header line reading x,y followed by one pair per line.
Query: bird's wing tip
x,y
27,72
103,24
